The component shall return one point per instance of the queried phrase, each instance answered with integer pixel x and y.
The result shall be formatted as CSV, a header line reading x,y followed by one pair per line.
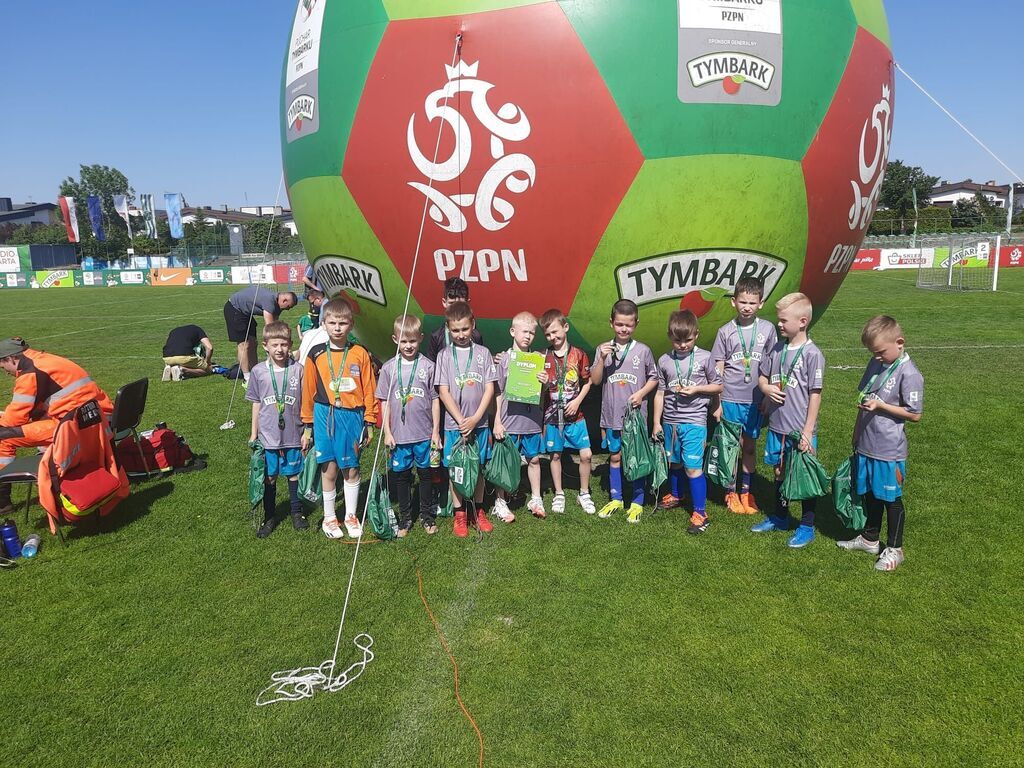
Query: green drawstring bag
x,y
464,467
660,473
502,469
448,508
637,449
723,453
257,473
848,503
378,508
803,477
309,479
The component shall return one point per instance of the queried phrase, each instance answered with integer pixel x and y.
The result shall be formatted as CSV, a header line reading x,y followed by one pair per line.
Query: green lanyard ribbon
x,y
461,380
747,351
335,378
888,374
277,392
625,351
785,377
679,371
405,394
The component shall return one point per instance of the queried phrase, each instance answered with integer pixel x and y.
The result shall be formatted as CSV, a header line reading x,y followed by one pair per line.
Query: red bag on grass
x,y
164,451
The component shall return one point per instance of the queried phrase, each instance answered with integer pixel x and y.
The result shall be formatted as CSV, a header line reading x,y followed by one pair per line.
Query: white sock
x,y
329,497
352,499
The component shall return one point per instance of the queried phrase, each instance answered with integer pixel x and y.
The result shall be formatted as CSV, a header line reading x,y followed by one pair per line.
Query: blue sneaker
x,y
770,524
804,535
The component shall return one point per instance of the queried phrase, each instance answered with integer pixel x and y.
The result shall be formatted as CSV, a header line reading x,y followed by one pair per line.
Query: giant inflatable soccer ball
x,y
568,154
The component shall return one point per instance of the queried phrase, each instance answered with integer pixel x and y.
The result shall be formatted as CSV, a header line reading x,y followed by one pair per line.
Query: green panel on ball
x,y
423,9
692,204
871,15
332,225
635,46
353,30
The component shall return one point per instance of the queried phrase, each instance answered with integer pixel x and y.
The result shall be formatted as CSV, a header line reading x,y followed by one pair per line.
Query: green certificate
x,y
522,385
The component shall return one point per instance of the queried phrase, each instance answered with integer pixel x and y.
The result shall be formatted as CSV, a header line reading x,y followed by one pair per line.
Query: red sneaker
x,y
747,499
668,501
460,528
482,522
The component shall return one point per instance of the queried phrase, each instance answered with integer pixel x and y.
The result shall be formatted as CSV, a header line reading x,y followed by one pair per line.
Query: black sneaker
x,y
299,522
267,528
698,524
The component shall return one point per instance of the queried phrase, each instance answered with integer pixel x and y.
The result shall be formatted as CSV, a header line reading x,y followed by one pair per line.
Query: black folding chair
x,y
129,405
23,470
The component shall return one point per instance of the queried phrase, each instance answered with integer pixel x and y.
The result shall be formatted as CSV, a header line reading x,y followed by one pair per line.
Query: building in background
x,y
18,214
947,194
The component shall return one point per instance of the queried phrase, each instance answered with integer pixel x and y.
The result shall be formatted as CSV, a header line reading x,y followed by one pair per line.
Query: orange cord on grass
x,y
451,658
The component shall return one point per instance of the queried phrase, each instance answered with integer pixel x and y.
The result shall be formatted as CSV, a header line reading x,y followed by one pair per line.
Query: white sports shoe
x,y
860,544
332,528
501,511
558,503
352,526
175,373
166,376
587,503
890,560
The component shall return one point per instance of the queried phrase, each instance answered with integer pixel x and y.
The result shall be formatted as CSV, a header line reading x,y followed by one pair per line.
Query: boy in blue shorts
x,y
520,422
275,391
412,419
791,377
464,375
687,380
567,379
891,394
738,350
339,411
630,374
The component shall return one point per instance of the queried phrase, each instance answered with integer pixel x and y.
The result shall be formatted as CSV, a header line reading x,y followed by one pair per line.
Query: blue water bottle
x,y
9,536
30,547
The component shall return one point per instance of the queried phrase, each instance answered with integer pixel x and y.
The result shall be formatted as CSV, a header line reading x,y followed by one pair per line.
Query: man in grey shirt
x,y
240,316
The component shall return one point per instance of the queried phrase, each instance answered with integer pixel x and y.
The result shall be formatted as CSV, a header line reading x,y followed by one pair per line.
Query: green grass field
x,y
580,642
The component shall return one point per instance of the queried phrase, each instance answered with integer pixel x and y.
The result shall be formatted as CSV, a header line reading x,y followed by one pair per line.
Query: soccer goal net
x,y
962,262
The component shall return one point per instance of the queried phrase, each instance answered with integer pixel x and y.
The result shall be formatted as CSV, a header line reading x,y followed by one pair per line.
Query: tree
x,y
897,190
257,231
966,213
104,182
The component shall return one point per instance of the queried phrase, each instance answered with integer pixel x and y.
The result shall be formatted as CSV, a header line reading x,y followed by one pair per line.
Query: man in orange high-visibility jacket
x,y
46,387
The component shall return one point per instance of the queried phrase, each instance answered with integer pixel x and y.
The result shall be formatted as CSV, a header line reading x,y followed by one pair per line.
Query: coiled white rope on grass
x,y
303,682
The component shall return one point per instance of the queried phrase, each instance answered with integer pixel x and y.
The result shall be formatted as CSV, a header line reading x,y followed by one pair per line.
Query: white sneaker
x,y
175,373
536,507
860,544
501,511
332,528
166,376
587,503
558,503
352,526
890,560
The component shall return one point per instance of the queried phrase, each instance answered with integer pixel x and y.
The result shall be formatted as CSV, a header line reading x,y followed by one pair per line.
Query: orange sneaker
x,y
668,501
732,501
482,522
747,499
460,528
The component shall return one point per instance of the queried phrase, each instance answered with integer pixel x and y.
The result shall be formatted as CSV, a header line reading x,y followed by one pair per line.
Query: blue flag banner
x,y
95,216
172,202
148,215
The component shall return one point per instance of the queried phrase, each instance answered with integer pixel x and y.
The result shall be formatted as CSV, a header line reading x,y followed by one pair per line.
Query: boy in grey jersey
x,y
739,348
412,419
891,394
791,378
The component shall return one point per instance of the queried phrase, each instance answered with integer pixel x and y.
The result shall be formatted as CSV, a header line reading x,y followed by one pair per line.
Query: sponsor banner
x,y
171,276
58,278
14,280
302,114
867,258
172,204
114,277
67,208
260,274
289,274
92,203
148,215
1011,256
730,52
973,255
906,258
337,273
92,279
10,257
209,276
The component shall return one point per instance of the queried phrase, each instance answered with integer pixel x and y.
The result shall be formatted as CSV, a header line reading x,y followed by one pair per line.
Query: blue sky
x,y
184,96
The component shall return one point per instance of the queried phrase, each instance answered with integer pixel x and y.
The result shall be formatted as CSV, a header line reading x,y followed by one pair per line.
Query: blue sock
x,y
638,490
745,482
675,475
615,482
699,493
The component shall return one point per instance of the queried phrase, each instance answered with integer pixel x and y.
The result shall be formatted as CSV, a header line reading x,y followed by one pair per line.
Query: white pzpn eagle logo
x,y
865,194
512,172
